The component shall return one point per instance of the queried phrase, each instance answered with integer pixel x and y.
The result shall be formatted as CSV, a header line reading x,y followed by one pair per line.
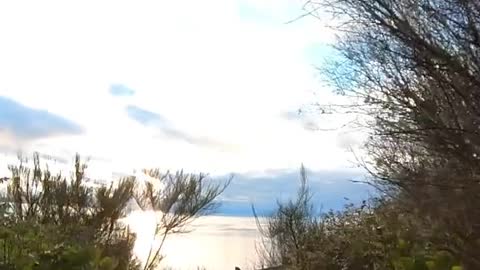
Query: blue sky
x,y
210,86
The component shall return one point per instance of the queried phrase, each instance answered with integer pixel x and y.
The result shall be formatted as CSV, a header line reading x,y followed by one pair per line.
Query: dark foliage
x,y
412,71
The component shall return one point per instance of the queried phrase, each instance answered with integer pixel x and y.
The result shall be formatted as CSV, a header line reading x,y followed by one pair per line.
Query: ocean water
x,y
214,242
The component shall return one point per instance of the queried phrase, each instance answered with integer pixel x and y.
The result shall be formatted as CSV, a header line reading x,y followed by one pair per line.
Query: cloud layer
x,y
146,117
168,130
121,90
30,123
331,190
219,72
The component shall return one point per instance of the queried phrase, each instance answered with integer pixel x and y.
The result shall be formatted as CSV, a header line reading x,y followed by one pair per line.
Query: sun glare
x,y
214,242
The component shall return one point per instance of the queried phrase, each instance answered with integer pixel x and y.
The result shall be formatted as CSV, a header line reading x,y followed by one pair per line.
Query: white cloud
x,y
198,63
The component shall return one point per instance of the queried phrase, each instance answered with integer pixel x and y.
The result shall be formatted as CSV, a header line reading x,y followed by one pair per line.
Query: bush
x,y
377,234
53,222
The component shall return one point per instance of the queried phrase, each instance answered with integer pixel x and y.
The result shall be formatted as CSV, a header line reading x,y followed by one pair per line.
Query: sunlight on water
x,y
216,242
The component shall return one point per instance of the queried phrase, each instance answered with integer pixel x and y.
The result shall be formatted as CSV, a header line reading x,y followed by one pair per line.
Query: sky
x,y
206,86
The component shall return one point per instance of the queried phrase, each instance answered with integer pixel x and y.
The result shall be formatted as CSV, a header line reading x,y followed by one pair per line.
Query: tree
x,y
285,232
52,222
177,199
413,69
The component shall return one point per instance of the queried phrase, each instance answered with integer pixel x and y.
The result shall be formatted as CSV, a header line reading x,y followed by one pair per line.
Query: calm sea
x,y
215,242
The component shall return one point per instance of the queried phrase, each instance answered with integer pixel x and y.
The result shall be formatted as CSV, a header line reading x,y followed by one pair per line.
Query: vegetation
x,y
52,222
377,234
412,71
178,199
